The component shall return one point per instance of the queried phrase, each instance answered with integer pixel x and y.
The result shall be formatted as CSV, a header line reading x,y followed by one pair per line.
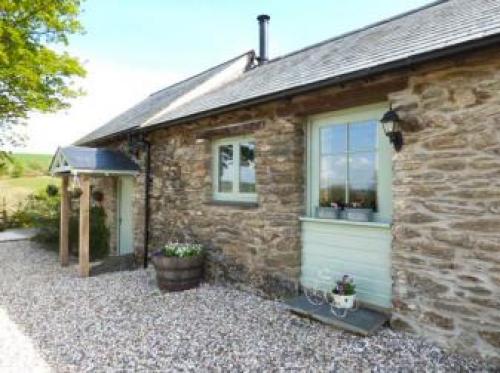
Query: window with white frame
x,y
350,164
234,170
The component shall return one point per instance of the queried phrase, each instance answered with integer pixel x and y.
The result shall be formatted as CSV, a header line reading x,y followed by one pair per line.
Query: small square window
x,y
234,170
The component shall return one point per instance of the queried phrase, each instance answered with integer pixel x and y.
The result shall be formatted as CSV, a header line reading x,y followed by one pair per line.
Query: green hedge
x,y
42,211
99,233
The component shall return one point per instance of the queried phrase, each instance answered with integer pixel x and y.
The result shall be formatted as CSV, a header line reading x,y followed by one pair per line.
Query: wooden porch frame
x,y
84,226
64,223
84,244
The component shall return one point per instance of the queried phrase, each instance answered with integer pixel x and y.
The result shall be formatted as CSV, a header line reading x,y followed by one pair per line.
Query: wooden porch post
x,y
64,223
84,260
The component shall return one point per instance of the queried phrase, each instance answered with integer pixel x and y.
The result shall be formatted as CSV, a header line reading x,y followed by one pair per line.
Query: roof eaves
x,y
90,137
359,74
387,67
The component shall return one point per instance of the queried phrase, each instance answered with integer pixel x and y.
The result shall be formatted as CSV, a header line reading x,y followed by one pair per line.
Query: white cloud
x,y
110,89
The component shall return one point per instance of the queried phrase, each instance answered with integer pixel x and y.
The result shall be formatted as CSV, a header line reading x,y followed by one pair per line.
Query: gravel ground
x,y
120,322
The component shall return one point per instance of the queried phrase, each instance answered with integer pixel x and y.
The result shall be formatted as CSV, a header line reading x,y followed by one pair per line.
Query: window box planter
x,y
327,212
175,272
358,214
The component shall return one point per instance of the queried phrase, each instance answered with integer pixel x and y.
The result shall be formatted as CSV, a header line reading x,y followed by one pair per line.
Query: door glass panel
x,y
362,180
226,169
334,139
362,136
332,180
247,167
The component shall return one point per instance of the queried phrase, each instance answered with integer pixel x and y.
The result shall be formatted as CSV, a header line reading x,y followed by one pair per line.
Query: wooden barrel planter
x,y
176,274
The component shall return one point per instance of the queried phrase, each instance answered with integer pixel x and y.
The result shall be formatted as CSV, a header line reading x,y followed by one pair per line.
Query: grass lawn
x,y
15,190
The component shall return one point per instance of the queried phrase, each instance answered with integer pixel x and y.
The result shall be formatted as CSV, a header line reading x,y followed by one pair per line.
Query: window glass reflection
x,y
362,136
247,167
348,165
226,168
333,139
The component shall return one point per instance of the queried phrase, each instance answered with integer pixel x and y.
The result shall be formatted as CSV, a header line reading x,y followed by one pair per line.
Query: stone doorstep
x,y
364,321
113,263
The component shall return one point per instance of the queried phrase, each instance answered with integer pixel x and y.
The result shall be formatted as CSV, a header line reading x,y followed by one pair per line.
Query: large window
x,y
234,170
348,172
349,165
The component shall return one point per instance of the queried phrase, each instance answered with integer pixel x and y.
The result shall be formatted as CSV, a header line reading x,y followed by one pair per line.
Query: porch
x,y
80,168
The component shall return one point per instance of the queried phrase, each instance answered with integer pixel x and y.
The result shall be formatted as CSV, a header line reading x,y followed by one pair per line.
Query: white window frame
x,y
383,156
235,195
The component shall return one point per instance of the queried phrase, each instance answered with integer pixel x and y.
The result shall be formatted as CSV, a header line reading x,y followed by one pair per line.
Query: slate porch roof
x,y
415,36
81,159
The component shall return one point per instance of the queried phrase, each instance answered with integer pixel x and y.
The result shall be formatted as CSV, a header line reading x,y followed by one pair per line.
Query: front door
x,y
125,215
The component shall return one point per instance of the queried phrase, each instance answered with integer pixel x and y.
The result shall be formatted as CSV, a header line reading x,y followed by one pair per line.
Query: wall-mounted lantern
x,y
392,130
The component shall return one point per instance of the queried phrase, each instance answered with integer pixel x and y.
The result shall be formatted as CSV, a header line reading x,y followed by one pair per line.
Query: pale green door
x,y
125,215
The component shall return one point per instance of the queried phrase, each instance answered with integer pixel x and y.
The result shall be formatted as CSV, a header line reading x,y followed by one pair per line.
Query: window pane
x,y
247,167
332,180
362,180
226,168
333,139
362,136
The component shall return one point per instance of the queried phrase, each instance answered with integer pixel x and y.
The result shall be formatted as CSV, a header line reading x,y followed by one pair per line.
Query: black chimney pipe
x,y
263,38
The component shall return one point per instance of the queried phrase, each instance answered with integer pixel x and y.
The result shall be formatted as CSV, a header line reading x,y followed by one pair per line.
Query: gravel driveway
x,y
52,320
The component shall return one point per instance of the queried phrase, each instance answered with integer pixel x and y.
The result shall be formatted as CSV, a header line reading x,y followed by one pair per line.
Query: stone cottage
x,y
284,170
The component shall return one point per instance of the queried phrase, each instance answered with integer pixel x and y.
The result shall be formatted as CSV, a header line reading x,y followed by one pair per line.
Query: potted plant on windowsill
x,y
358,211
329,211
179,266
344,294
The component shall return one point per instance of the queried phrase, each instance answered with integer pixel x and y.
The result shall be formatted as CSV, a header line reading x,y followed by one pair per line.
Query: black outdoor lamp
x,y
391,121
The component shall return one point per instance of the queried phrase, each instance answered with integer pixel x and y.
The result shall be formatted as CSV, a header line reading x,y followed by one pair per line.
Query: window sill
x,y
237,204
370,224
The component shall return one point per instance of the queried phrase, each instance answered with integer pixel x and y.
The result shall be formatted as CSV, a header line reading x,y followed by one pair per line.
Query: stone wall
x,y
446,260
446,247
257,245
254,246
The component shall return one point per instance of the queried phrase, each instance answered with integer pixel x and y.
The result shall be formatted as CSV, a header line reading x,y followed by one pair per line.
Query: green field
x,y
33,177
32,164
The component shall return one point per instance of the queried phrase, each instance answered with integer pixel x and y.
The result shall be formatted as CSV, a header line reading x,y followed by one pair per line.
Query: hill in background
x,y
24,164
24,175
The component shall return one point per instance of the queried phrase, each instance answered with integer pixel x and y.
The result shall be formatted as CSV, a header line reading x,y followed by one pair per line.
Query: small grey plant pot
x,y
359,214
327,212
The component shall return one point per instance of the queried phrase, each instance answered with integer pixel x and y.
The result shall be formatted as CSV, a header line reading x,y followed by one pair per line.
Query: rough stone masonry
x,y
446,228
446,245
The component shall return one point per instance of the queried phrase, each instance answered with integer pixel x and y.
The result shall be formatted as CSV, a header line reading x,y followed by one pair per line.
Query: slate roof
x,y
154,103
95,160
402,39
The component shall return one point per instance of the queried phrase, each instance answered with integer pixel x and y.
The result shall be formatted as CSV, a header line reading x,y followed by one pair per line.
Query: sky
x,y
132,48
